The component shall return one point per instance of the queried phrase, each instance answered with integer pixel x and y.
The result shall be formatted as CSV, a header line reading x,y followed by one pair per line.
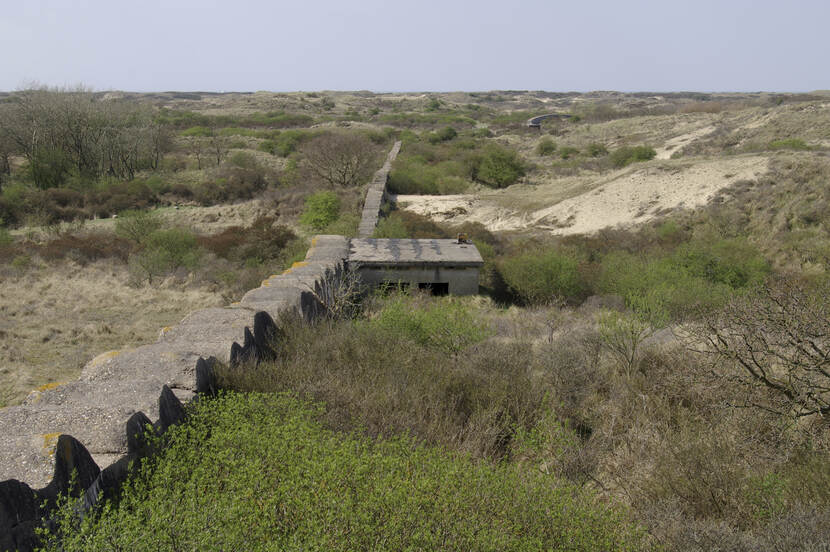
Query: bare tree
x,y
339,159
777,339
60,131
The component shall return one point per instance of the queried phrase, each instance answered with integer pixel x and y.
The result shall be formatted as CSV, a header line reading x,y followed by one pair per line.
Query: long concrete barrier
x,y
375,196
100,419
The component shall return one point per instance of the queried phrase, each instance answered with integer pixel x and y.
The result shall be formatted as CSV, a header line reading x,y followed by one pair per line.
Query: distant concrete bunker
x,y
444,266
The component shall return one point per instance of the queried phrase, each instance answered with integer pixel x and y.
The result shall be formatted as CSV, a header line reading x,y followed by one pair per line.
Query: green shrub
x,y
321,209
22,262
444,135
546,146
566,152
391,227
540,277
285,143
697,274
6,238
137,226
415,175
789,143
260,472
345,225
445,324
631,154
597,150
164,252
498,167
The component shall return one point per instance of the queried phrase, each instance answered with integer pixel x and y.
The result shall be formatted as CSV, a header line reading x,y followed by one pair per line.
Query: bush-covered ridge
x,y
259,472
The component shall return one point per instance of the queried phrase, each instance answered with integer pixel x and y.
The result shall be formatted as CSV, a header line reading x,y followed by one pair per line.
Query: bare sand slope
x,y
631,196
677,142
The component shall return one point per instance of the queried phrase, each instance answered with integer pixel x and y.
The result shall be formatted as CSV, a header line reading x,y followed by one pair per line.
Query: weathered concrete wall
x,y
98,420
118,392
461,280
375,196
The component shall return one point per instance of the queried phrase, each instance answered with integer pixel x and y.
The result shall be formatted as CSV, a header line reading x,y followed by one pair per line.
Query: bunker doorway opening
x,y
435,288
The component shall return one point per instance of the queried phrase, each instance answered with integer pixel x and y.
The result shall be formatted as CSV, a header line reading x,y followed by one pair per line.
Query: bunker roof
x,y
404,252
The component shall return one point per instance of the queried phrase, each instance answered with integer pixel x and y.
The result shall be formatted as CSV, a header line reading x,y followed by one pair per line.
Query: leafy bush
x,y
444,135
6,238
391,227
631,154
546,146
416,176
789,143
137,226
445,324
321,209
285,143
290,484
498,167
697,274
165,251
597,150
566,152
540,277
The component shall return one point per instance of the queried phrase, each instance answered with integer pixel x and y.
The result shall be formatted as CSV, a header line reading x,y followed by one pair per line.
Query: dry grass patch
x,y
54,319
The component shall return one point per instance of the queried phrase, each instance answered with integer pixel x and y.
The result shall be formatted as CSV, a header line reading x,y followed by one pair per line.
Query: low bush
x,y
445,324
137,226
321,210
701,274
789,143
595,149
444,135
541,277
566,152
6,238
631,154
415,175
497,167
291,484
391,227
164,252
546,146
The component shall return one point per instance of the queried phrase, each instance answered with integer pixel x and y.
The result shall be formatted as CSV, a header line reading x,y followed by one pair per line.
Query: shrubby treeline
x,y
75,134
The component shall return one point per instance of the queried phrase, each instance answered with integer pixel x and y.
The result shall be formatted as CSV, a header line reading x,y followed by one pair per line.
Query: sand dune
x,y
632,196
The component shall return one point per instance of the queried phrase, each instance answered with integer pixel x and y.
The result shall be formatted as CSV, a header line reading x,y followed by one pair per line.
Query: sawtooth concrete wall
x,y
375,196
99,419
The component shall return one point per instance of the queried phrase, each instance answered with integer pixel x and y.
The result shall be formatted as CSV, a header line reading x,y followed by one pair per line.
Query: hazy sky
x,y
654,45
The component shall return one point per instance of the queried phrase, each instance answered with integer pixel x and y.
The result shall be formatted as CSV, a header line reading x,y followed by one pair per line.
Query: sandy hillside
x,y
673,144
630,196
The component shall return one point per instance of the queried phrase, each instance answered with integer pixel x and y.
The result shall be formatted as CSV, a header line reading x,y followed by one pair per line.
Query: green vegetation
x,y
631,154
285,143
447,325
539,277
497,167
444,135
546,146
165,251
291,484
321,210
137,226
566,152
789,143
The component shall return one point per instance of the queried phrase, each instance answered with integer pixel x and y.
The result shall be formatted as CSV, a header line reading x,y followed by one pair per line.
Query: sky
x,y
419,45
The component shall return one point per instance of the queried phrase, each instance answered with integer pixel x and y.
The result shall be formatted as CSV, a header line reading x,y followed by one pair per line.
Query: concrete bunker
x,y
440,266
